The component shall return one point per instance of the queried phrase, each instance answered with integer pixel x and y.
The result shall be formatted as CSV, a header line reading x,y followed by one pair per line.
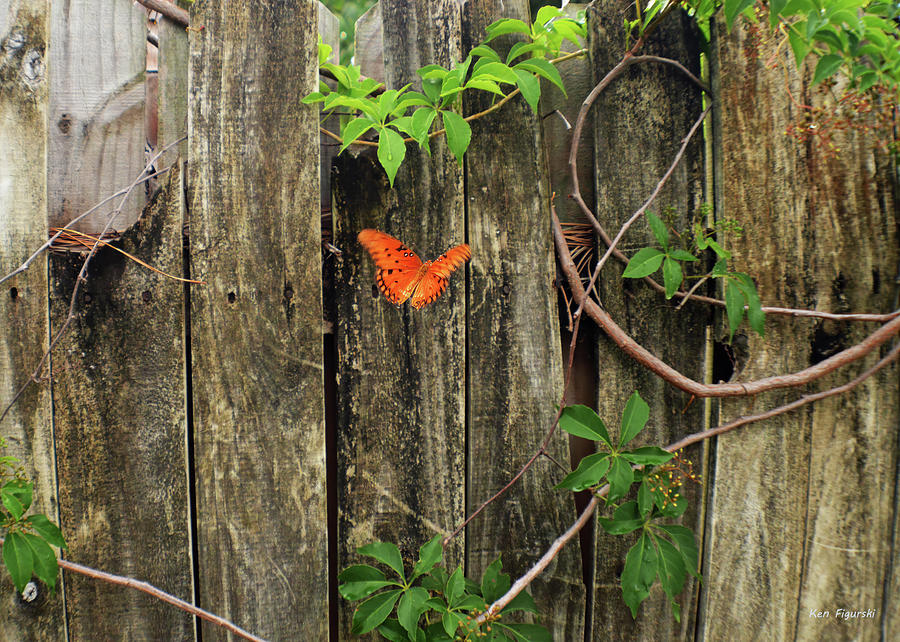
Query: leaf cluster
x,y
26,539
741,295
393,113
667,552
430,604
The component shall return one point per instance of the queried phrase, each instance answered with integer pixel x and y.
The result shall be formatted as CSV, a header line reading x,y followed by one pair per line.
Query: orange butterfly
x,y
400,274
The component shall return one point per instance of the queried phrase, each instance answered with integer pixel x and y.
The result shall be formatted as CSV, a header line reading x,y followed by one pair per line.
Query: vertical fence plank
x,y
173,64
24,98
641,120
514,351
96,108
118,401
803,505
401,432
257,323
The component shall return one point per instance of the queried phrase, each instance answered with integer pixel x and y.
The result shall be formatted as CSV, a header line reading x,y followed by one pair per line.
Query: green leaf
x,y
734,306
755,314
521,602
672,276
644,263
470,602
385,552
354,129
639,573
733,8
430,553
391,630
340,73
494,583
672,572
46,529
530,87
644,498
524,632
485,85
484,51
46,566
799,45
682,255
522,48
626,519
496,71
421,124
545,69
582,421
620,477
360,581
547,13
687,546
720,268
456,585
361,573
458,134
509,25
826,67
634,418
19,489
391,151
324,52
18,559
450,621
374,611
432,89
411,607
12,504
659,229
314,97
589,472
647,456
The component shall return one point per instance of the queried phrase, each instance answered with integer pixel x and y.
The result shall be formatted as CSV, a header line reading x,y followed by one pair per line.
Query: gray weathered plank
x,y
803,505
401,412
24,105
173,63
641,120
256,326
96,108
515,373
118,402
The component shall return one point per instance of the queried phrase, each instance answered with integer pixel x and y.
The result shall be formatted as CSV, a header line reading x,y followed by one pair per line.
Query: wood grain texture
x,y
173,62
96,109
515,372
641,120
24,105
803,505
118,401
401,403
257,324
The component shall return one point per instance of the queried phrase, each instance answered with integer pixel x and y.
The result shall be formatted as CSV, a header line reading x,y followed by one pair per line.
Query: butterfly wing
x,y
434,280
398,269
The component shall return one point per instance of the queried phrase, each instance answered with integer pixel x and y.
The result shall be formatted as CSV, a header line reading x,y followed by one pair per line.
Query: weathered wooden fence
x,y
234,442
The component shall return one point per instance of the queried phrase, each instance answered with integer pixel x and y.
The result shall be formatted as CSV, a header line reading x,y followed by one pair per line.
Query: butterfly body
x,y
401,274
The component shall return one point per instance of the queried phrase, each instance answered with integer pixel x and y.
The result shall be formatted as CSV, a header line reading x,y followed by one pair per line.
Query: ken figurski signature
x,y
844,614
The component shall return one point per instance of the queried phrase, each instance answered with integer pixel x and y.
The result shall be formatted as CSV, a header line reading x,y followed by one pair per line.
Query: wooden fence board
x,y
641,120
24,104
803,505
96,108
173,62
401,421
118,401
257,325
514,365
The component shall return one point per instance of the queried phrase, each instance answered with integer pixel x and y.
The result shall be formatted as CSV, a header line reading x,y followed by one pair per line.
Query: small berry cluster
x,y
669,478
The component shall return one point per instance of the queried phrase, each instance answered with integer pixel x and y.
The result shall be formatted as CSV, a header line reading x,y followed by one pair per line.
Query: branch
x,y
142,177
159,594
676,378
561,541
611,244
169,9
